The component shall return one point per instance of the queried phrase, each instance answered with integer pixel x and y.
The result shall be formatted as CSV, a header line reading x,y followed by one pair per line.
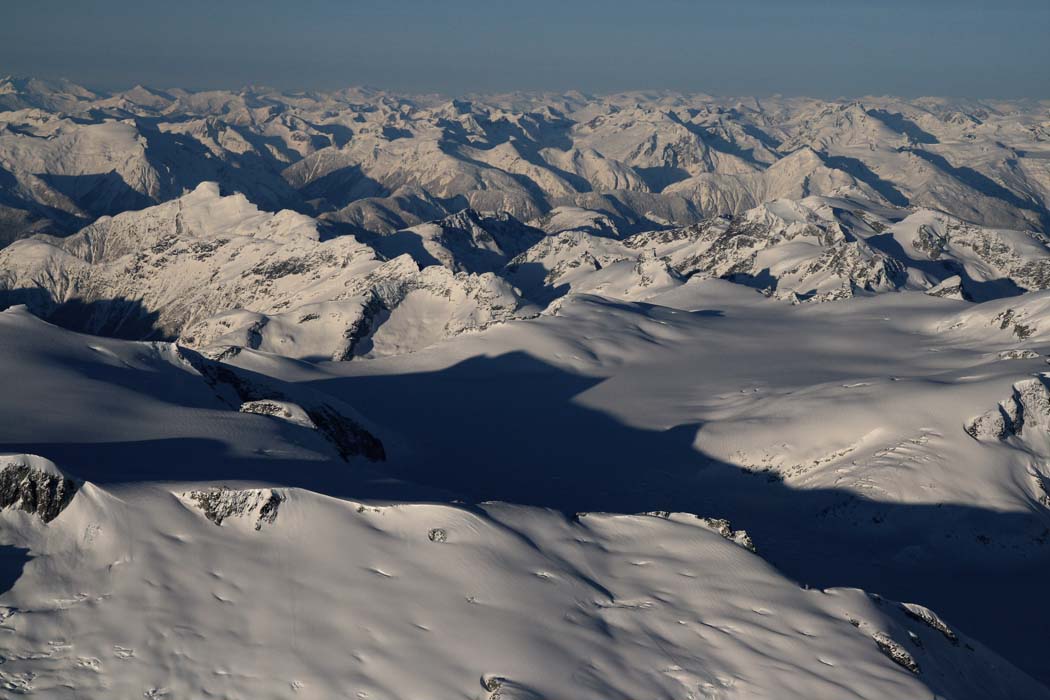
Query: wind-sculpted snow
x,y
214,508
295,593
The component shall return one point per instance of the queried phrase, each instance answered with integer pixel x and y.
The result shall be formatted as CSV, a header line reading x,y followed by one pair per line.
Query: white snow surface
x,y
338,598
529,396
391,598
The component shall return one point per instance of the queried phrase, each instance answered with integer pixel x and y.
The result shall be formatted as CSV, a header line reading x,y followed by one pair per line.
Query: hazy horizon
x,y
812,48
587,94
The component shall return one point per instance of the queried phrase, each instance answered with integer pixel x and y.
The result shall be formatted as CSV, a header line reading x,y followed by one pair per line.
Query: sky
x,y
820,48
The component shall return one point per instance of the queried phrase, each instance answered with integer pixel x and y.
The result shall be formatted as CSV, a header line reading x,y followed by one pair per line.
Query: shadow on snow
x,y
511,428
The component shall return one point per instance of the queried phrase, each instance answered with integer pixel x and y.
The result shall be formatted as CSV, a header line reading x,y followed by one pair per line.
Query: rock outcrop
x,y
35,485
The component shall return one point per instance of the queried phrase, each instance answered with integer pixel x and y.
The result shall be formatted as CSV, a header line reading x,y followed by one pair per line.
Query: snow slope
x,y
238,539
837,434
328,597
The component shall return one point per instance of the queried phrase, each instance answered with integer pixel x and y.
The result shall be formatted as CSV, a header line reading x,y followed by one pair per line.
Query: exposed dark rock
x,y
929,618
724,528
1009,319
34,490
720,526
361,327
951,288
1028,406
221,503
896,653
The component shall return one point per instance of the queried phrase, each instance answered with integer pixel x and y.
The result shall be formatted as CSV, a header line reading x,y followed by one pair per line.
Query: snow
x,y
334,596
533,396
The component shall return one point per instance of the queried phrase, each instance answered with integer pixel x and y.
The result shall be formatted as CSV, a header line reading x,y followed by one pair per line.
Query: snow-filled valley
x,y
365,395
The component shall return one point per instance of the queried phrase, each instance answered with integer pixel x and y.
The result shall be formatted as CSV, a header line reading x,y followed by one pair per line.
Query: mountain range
x,y
522,396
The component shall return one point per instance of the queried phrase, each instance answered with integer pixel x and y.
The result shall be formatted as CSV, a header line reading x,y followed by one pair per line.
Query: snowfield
x,y
333,598
533,396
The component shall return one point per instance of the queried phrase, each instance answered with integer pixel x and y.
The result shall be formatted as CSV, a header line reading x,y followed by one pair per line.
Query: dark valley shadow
x,y
127,319
98,194
857,169
903,126
12,562
975,290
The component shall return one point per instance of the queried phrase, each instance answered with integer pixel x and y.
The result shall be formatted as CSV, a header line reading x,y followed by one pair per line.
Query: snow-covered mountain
x,y
814,249
522,396
368,160
215,269
218,271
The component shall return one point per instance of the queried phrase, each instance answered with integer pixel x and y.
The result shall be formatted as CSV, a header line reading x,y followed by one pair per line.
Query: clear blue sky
x,y
824,48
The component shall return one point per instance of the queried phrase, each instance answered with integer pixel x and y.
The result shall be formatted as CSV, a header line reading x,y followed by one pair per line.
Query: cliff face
x,y
34,485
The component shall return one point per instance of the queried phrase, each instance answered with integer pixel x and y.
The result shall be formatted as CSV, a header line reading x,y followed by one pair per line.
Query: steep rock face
x,y
285,410
34,485
395,308
992,262
1026,410
1021,420
1017,320
800,251
930,619
259,506
896,652
178,263
810,250
950,288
